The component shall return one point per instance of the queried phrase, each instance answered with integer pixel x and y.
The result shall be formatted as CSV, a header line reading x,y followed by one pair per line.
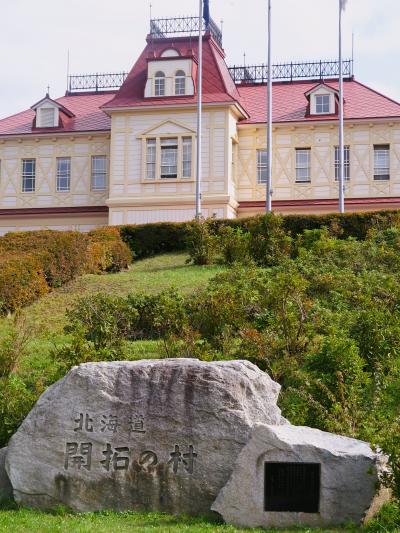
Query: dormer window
x,y
180,83
322,103
50,113
323,99
159,84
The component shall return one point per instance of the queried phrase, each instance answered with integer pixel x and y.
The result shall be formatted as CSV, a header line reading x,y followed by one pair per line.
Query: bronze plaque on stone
x,y
292,487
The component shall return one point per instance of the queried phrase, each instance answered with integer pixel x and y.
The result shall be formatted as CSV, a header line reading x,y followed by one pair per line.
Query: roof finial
x,y
244,59
48,91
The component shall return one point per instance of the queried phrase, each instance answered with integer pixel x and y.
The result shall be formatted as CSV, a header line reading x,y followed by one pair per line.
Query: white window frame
x,y
381,162
63,174
169,160
303,166
180,83
262,167
159,83
28,176
346,163
187,157
97,173
322,105
153,160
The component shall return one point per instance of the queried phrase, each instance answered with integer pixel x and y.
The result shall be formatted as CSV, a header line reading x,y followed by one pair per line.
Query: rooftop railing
x,y
189,26
315,70
312,70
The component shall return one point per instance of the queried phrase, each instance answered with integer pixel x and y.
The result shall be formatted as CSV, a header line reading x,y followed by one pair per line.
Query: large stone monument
x,y
157,435
5,485
289,475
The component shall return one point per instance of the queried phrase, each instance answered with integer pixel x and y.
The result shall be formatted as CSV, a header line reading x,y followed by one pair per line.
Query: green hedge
x,y
152,239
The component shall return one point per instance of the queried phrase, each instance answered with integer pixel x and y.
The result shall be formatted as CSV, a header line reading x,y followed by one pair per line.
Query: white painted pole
x,y
199,112
341,120
268,205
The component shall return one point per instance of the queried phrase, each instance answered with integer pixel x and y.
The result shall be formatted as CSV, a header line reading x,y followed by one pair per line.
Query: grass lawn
x,y
29,521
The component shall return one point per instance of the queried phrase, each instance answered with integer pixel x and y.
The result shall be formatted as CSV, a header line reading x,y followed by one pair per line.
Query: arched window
x,y
180,82
160,83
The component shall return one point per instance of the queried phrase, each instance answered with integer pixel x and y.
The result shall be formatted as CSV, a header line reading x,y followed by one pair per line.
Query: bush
x,y
61,254
107,252
202,243
32,262
22,281
151,239
147,240
234,245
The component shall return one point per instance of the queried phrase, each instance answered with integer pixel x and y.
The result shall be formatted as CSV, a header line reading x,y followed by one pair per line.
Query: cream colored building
x,y
127,156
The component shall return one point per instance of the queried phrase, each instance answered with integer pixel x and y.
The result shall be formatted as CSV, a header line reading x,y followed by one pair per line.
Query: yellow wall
x,y
135,199
321,139
46,150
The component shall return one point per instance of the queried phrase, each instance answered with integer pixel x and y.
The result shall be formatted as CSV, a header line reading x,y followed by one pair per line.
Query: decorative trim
x,y
323,202
84,210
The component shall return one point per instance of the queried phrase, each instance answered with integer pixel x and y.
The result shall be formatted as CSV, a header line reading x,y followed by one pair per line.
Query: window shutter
x,y
46,117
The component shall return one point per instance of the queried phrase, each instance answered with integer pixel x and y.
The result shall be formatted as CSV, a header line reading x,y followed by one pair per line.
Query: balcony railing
x,y
311,70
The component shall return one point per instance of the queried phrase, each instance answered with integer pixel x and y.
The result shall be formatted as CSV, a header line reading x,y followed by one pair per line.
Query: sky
x,y
105,36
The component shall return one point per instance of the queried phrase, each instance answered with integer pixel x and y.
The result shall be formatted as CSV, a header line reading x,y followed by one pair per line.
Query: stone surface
x,y
156,435
349,473
5,485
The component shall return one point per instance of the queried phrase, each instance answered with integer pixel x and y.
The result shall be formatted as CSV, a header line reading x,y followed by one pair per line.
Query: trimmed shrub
x,y
107,252
152,239
22,281
32,262
61,254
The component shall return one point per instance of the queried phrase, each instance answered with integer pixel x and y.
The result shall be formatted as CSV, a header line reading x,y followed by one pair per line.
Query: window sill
x,y
305,182
168,180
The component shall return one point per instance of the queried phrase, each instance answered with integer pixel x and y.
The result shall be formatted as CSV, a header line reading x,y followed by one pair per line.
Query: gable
x,y
169,127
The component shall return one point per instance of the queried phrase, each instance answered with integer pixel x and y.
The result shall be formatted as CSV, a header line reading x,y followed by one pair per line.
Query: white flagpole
x,y
268,205
199,111
341,121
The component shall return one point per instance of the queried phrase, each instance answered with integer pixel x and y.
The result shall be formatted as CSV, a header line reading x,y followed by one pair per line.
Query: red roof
x,y
291,105
86,108
218,86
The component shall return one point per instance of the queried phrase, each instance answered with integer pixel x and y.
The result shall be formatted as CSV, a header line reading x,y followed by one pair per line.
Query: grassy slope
x,y
46,318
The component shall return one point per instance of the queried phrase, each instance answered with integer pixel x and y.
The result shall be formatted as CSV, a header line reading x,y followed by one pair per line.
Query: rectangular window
x,y
187,157
262,166
381,162
159,86
303,165
99,172
28,175
346,163
63,174
180,85
169,158
322,103
151,159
